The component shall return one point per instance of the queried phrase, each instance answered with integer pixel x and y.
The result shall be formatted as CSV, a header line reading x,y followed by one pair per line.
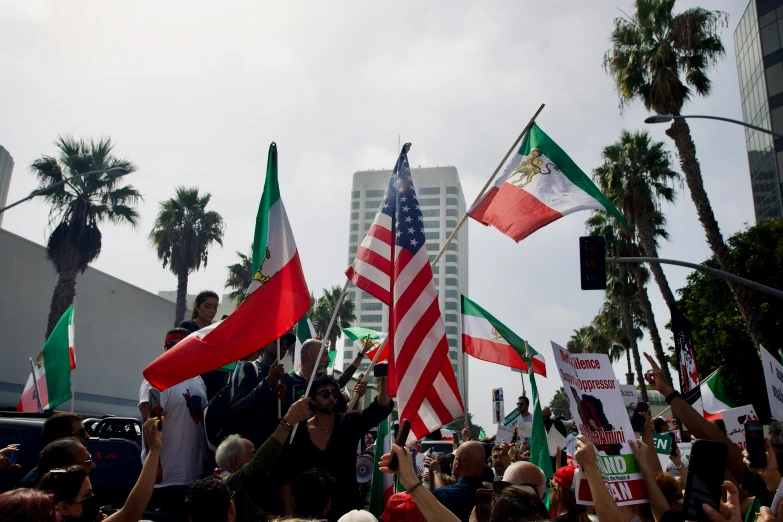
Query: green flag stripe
x,y
356,333
57,362
472,309
538,139
270,196
539,447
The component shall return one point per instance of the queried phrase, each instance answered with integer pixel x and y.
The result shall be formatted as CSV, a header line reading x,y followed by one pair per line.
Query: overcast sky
x,y
194,92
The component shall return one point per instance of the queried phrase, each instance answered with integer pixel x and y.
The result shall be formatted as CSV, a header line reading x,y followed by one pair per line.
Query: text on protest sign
x,y
663,446
734,419
600,414
773,375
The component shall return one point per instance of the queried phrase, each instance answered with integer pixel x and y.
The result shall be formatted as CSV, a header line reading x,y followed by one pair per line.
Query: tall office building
x,y
442,205
6,168
758,43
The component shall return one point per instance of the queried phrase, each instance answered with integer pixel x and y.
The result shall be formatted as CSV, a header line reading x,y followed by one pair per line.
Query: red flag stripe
x,y
369,286
382,233
374,259
421,341
412,390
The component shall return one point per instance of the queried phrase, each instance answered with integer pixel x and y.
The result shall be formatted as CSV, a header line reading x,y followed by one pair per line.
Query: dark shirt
x,y
31,479
339,458
460,497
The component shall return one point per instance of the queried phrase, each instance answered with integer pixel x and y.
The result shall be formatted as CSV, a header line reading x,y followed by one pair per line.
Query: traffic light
x,y
592,262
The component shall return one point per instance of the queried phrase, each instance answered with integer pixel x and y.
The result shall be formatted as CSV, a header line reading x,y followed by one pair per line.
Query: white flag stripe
x,y
376,245
411,270
414,314
447,396
281,239
480,328
425,350
371,273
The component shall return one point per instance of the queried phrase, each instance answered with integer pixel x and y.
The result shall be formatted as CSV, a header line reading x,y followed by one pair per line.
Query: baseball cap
x,y
402,508
565,477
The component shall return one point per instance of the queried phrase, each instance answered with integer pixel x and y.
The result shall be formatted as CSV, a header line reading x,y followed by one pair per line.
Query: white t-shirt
x,y
526,418
184,450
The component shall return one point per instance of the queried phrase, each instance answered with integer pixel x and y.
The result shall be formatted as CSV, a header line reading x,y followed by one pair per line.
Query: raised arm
x,y
605,507
658,503
141,493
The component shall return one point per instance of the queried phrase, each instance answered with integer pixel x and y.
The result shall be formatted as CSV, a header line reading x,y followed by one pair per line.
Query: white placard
x,y
773,375
734,419
504,434
554,440
525,431
498,406
628,391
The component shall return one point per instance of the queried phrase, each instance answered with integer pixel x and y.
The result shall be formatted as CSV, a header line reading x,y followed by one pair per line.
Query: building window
x,y
373,204
372,307
452,281
377,328
429,202
432,235
375,193
769,39
431,224
452,212
353,238
452,191
451,305
452,293
429,191
353,249
451,258
365,295
355,194
456,370
351,295
452,330
363,367
347,354
354,215
451,270
431,212
452,342
436,269
452,246
450,223
453,355
432,257
371,318
370,215
354,227
433,247
452,318
436,280
347,342
452,201
355,205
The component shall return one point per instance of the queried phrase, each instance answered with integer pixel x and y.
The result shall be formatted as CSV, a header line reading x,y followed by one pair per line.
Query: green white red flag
x,y
304,330
359,334
486,338
713,399
277,298
540,184
382,483
539,447
50,378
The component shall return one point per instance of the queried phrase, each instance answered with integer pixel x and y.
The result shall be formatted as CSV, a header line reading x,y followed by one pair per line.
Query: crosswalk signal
x,y
592,262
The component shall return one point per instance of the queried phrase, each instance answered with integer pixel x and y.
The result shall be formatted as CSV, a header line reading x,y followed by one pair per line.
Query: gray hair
x,y
776,428
232,446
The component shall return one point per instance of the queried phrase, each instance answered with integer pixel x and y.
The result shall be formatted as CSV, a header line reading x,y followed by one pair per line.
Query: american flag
x,y
392,265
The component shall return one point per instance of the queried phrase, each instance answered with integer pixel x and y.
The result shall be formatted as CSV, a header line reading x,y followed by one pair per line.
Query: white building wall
x,y
119,329
6,169
439,192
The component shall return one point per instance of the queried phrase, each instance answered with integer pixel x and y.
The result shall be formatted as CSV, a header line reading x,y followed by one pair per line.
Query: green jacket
x,y
251,478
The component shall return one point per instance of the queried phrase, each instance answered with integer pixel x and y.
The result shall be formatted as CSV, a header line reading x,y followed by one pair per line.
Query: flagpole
x,y
35,387
486,185
323,344
700,384
465,383
73,388
355,397
279,401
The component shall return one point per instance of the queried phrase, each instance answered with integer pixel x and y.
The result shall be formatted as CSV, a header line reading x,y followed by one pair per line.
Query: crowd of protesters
x,y
219,448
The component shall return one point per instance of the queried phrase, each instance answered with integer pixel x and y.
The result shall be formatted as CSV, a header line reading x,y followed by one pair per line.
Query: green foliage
x,y
719,333
321,311
458,423
560,404
240,275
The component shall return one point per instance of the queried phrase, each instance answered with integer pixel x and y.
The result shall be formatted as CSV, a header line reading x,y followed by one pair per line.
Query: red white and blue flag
x,y
392,265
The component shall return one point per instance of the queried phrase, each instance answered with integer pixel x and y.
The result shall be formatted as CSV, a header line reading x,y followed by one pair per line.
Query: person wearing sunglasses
x,y
329,441
75,500
59,426
59,454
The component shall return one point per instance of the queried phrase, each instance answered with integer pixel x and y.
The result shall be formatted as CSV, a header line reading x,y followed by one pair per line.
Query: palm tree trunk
x,y
629,375
182,295
62,298
655,336
647,243
681,134
625,306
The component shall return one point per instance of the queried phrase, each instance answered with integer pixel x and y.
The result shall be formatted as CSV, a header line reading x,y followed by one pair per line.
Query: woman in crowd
x,y
75,501
204,310
27,505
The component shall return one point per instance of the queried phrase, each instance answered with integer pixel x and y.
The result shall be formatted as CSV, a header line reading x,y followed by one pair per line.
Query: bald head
x,y
310,346
526,473
469,460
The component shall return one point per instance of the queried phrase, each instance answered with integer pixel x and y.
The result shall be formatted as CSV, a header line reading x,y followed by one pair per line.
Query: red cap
x,y
402,508
565,477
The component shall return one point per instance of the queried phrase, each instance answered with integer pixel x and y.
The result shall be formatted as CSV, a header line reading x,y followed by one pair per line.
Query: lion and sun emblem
x,y
533,164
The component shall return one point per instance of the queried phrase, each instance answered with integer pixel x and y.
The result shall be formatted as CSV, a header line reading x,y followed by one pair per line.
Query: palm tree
x,y
580,339
609,323
653,53
183,232
635,176
322,310
78,207
561,403
240,275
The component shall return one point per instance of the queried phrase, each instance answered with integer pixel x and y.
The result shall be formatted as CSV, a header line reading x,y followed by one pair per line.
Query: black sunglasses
x,y
81,433
324,394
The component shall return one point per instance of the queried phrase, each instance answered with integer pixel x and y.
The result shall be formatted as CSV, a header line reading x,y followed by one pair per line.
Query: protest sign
x,y
734,419
663,445
555,441
599,411
628,391
570,444
498,407
773,375
686,361
504,434
514,420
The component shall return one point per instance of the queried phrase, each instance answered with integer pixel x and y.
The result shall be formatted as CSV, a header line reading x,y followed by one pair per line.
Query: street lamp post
x,y
666,118
115,172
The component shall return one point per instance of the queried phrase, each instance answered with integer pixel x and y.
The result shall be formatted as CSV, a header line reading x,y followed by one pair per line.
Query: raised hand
x,y
432,464
368,344
639,450
729,511
585,453
656,378
152,434
465,432
275,374
360,388
770,474
298,411
405,469
5,460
